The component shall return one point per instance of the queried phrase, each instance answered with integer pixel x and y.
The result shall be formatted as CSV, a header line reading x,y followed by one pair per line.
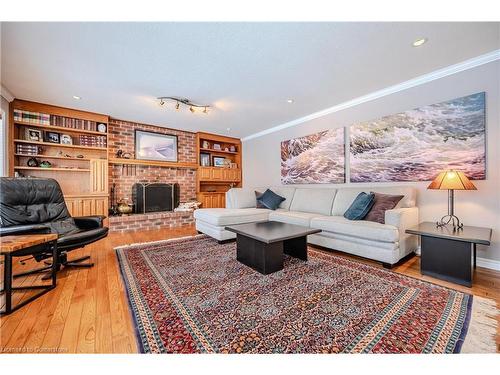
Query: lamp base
x,y
447,219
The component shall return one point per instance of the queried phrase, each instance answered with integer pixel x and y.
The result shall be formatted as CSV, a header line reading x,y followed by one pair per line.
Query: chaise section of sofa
x,y
323,208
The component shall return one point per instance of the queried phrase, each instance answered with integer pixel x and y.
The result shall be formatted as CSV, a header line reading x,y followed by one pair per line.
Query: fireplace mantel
x,y
154,163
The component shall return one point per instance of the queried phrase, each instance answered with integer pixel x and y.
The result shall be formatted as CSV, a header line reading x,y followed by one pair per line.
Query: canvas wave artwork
x,y
314,159
415,145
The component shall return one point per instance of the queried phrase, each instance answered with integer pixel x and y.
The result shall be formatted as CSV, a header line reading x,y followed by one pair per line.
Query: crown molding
x,y
420,80
6,94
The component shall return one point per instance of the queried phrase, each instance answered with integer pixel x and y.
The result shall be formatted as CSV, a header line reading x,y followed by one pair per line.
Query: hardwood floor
x,y
88,311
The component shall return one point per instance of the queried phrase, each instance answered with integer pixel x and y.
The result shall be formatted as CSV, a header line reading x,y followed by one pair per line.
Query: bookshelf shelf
x,y
52,169
212,151
52,157
59,145
59,128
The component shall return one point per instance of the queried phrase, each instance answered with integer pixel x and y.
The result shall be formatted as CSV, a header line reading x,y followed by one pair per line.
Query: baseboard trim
x,y
488,263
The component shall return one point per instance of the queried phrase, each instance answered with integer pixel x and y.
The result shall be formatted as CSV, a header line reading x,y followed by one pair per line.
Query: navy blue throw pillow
x,y
360,207
270,199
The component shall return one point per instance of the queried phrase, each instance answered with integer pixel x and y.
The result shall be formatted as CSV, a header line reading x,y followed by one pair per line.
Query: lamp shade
x,y
451,180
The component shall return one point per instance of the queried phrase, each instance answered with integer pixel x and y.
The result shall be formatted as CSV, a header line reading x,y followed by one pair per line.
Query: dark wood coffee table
x,y
262,245
449,254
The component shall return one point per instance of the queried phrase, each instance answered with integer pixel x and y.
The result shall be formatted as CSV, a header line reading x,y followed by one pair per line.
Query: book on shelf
x,y
37,118
93,140
27,149
72,123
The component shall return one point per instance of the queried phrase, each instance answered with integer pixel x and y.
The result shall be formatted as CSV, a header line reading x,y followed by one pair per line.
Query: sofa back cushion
x,y
317,201
285,192
345,196
242,198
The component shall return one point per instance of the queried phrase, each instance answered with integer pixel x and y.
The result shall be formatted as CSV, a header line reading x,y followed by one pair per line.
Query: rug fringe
x,y
158,242
481,335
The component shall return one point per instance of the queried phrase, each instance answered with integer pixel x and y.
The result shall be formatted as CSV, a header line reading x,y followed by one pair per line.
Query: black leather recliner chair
x,y
36,205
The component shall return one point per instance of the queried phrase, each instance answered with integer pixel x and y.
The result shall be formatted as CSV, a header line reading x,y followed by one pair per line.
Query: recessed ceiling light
x,y
289,101
76,97
419,42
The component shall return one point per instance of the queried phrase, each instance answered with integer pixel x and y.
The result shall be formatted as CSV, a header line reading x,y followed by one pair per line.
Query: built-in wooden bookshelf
x,y
80,165
212,179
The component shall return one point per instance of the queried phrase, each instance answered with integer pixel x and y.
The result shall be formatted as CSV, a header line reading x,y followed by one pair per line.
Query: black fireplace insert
x,y
155,197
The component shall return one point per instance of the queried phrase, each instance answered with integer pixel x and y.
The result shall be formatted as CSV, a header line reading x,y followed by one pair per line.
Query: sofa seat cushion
x,y
359,228
229,216
292,217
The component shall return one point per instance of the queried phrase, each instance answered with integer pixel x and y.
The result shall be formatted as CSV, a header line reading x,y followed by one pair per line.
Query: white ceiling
x,y
247,71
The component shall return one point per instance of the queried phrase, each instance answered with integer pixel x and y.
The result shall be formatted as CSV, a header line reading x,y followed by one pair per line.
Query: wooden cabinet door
x,y
87,206
221,200
234,174
98,176
204,173
101,206
217,173
206,200
73,206
212,200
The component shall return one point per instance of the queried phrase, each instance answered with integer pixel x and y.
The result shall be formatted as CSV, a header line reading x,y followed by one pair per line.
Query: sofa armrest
x,y
89,222
17,230
402,218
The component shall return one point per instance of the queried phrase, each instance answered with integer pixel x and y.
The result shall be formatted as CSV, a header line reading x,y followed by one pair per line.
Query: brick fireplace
x,y
121,136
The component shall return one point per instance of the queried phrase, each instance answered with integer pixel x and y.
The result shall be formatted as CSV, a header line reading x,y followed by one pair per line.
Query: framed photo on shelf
x,y
216,146
219,161
52,137
204,160
66,139
155,146
33,135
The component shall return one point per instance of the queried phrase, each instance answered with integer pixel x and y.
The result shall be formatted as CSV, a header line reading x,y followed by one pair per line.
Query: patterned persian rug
x,y
190,295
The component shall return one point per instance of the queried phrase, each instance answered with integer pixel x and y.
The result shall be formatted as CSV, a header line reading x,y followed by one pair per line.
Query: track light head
x,y
191,109
205,110
177,106
162,102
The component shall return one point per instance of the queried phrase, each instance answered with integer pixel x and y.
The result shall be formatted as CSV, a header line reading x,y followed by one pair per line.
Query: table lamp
x,y
451,180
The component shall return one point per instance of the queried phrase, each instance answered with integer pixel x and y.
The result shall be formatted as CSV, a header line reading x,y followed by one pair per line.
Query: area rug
x,y
190,295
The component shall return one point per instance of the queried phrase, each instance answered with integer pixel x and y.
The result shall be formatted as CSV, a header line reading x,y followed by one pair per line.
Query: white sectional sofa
x,y
323,208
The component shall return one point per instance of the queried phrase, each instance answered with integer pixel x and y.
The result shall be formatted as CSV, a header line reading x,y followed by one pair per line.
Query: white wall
x,y
261,156
4,157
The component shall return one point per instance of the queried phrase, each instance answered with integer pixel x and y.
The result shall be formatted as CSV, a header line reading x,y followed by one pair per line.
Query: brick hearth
x,y
159,220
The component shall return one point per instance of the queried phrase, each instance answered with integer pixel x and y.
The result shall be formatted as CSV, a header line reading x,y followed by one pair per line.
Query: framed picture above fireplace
x,y
155,146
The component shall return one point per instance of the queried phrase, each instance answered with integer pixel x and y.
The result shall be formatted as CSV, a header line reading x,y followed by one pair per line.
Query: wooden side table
x,y
449,254
29,244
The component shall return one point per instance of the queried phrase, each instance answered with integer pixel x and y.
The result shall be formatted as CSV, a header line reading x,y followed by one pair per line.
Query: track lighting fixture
x,y
178,101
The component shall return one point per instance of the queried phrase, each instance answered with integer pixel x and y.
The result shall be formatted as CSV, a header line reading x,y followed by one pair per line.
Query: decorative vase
x,y
124,208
